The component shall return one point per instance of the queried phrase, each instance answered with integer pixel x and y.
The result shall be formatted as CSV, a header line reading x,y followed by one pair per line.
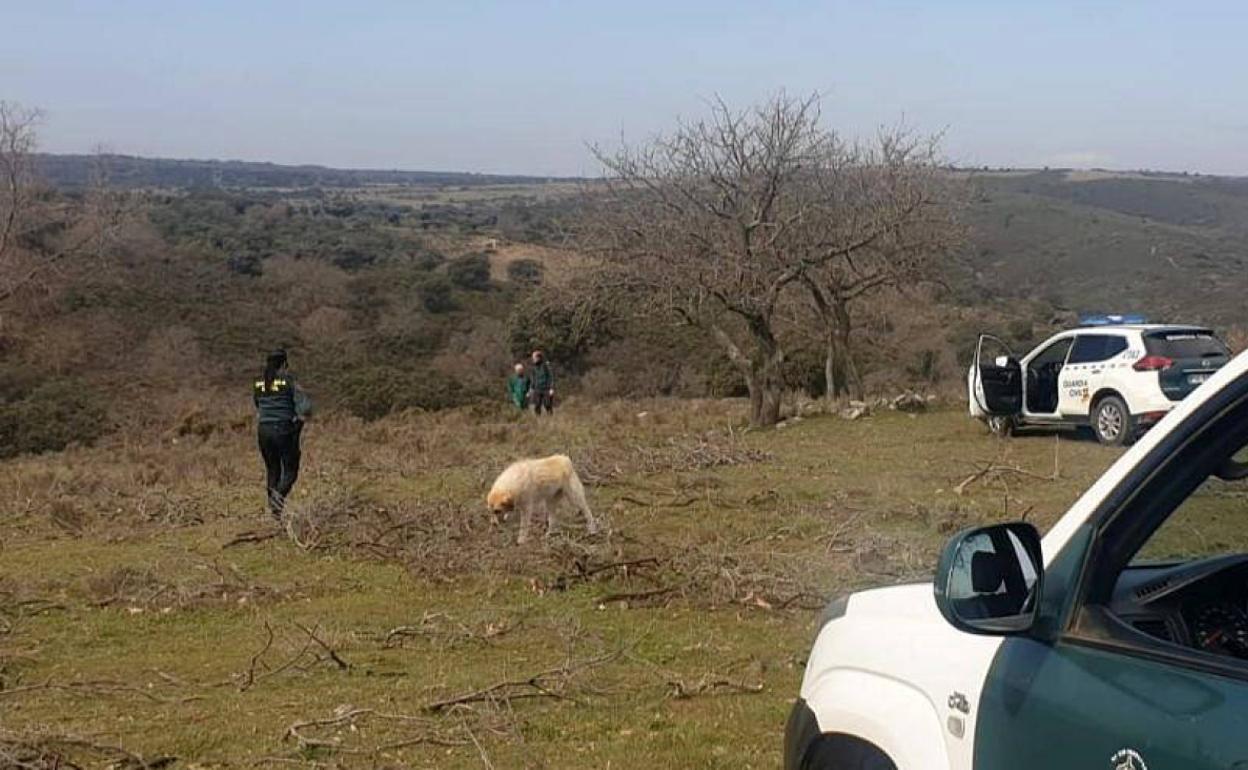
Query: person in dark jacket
x,y
281,409
541,384
518,387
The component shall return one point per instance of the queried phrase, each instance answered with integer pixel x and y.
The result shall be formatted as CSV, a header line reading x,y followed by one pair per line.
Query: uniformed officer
x,y
281,409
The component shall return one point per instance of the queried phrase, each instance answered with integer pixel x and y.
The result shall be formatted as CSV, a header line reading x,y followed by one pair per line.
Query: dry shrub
x,y
478,360
300,286
328,326
195,422
120,584
326,517
601,383
131,488
172,354
1237,338
67,514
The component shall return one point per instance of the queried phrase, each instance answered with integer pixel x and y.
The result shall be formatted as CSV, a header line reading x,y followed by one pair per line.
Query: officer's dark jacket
x,y
282,402
541,377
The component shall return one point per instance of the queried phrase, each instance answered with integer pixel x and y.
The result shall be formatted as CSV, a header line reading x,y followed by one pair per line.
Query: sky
x,y
525,86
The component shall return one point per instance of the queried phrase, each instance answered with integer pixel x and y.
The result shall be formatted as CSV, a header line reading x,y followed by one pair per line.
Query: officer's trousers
x,y
279,446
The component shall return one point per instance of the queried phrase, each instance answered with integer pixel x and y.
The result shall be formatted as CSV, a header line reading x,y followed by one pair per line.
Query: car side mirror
x,y
989,579
1001,362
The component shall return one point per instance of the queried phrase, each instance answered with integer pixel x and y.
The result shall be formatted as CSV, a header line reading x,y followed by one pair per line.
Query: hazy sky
x,y
521,86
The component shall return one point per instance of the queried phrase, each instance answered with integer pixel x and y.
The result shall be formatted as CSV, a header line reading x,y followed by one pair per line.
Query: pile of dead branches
x,y
604,464
15,609
494,711
46,750
373,733
639,574
312,650
438,540
206,583
443,631
471,717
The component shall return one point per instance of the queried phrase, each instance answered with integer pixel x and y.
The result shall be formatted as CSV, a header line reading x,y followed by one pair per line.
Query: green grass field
x,y
405,630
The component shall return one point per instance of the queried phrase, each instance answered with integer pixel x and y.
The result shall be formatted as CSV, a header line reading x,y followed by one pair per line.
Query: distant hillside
x,y
1172,247
130,171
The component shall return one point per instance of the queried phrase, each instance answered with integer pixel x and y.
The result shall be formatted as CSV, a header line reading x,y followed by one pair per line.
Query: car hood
x,y
913,601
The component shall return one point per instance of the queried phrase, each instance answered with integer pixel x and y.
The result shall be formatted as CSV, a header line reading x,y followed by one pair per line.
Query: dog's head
x,y
501,504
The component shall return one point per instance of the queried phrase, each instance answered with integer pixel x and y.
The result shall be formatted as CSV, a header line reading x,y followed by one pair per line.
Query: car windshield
x,y
1195,343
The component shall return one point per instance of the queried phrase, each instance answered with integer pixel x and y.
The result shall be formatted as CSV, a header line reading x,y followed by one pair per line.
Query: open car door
x,y
997,388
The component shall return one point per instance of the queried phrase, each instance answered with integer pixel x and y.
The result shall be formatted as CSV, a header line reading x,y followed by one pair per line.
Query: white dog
x,y
533,487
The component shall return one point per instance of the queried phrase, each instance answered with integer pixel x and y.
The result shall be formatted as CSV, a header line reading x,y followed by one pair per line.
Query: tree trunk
x,y
763,371
841,354
833,386
839,373
769,375
768,411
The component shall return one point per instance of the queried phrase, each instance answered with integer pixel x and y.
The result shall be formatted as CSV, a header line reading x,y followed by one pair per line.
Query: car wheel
x,y
1002,426
1112,422
846,753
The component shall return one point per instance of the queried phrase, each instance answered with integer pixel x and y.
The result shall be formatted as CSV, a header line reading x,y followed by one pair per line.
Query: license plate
x,y
1196,379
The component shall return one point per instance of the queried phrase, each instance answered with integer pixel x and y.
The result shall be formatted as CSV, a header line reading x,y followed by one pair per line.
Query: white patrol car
x,y
1111,375
1118,642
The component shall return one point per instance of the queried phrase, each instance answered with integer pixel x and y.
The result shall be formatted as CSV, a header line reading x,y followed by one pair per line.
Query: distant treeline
x,y
130,171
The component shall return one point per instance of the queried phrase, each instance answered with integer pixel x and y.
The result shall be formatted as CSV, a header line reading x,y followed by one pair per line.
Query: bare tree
x,y
901,207
714,223
718,221
43,232
17,145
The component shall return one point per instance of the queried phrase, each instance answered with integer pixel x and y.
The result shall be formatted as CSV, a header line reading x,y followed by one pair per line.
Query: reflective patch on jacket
x,y
277,386
280,401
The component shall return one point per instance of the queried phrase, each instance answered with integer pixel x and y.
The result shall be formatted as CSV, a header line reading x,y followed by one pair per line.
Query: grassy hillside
x,y
146,604
148,608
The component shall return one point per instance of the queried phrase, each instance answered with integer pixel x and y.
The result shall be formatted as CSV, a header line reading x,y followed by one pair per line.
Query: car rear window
x,y
1185,343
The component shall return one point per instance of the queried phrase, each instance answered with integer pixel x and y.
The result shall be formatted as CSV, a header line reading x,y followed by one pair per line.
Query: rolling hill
x,y
1171,247
131,171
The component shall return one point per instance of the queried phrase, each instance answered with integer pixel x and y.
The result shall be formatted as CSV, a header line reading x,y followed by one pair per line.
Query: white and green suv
x,y
1118,642
1116,378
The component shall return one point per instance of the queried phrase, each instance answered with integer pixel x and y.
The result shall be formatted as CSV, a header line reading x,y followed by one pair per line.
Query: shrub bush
x,y
471,271
436,293
372,392
50,418
566,332
1237,339
425,258
724,380
526,272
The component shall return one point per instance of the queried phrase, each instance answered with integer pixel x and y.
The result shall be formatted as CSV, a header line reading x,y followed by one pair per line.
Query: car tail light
x,y
1153,364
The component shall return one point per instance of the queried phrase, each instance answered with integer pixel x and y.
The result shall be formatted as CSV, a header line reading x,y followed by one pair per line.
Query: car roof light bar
x,y
1111,319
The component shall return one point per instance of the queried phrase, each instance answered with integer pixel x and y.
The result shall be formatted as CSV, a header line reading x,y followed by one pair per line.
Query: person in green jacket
x,y
518,387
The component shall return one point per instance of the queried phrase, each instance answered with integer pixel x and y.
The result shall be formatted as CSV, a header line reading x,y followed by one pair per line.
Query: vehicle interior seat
x,y
1042,387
